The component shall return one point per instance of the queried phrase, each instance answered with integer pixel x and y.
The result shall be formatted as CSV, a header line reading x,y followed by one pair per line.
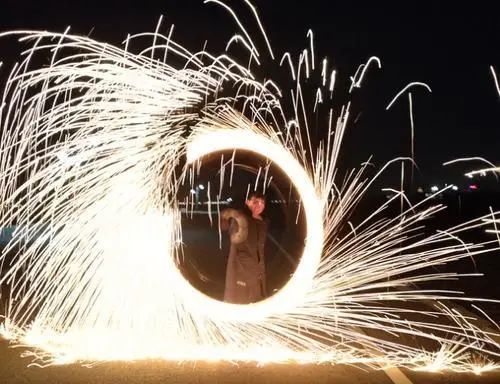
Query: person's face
x,y
256,205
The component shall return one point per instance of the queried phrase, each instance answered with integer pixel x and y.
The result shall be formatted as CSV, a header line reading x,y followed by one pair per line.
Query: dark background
x,y
448,46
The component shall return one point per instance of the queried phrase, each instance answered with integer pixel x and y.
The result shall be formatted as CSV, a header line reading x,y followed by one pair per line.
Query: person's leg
x,y
254,292
230,283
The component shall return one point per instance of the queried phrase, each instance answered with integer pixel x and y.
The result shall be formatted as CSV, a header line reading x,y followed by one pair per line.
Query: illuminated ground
x,y
13,369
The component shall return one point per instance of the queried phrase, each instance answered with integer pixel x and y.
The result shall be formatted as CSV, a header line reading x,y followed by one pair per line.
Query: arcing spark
x,y
91,162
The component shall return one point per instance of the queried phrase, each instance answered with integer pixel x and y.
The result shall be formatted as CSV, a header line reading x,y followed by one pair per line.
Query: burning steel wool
x,y
94,149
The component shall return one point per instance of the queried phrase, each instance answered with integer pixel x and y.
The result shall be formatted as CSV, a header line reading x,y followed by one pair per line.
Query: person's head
x,y
256,203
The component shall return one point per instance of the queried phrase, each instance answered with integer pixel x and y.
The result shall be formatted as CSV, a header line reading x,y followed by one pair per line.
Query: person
x,y
245,272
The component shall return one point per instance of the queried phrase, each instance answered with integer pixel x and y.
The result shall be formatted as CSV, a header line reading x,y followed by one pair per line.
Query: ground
x,y
14,369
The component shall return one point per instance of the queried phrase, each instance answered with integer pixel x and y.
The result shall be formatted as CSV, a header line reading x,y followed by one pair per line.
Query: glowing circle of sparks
x,y
300,282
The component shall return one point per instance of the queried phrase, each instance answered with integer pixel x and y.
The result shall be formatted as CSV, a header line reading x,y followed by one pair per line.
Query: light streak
x,y
408,86
492,167
323,71
332,82
261,27
96,276
495,79
286,55
238,22
355,80
412,127
239,38
311,46
473,158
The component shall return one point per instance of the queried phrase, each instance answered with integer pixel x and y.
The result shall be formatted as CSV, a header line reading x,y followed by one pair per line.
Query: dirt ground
x,y
15,369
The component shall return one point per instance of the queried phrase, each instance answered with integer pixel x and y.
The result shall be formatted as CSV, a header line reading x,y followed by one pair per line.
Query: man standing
x,y
245,272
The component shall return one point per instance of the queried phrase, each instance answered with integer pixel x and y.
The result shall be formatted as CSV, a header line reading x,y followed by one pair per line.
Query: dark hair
x,y
257,195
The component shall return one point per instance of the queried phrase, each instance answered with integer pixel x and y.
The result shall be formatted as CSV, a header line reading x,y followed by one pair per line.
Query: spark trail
x,y
93,150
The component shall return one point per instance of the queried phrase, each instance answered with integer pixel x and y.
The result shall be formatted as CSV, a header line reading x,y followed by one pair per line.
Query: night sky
x,y
448,47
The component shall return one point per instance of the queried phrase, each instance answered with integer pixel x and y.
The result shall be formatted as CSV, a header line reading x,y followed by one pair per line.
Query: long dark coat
x,y
245,271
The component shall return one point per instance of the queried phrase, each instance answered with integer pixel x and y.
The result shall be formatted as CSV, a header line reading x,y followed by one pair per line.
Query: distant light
x,y
201,186
454,187
434,188
473,187
469,175
229,199
193,192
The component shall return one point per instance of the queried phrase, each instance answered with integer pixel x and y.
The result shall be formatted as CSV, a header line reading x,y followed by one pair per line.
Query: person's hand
x,y
229,213
241,234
